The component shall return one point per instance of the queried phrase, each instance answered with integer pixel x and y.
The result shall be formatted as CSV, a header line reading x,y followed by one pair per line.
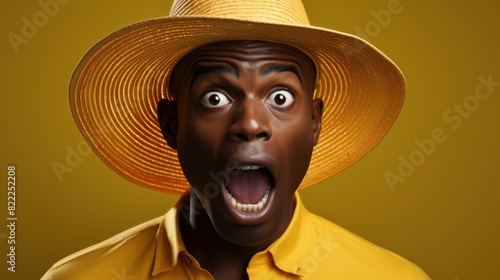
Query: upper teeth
x,y
248,167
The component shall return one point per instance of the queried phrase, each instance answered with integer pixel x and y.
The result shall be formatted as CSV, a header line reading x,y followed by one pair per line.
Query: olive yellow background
x,y
441,213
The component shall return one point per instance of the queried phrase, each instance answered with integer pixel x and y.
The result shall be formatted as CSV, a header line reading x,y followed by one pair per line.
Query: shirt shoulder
x,y
337,251
129,252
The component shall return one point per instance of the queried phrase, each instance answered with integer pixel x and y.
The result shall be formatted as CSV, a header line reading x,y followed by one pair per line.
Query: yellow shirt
x,y
310,248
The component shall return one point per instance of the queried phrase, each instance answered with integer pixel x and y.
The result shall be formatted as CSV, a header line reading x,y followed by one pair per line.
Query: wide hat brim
x,y
116,86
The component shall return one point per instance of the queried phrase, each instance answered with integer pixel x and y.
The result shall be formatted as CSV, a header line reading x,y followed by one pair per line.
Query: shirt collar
x,y
286,255
169,243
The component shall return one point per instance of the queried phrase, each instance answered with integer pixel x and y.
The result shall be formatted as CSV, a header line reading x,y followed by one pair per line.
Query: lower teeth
x,y
249,207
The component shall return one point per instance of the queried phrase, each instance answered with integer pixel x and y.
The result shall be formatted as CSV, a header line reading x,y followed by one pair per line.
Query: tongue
x,y
248,187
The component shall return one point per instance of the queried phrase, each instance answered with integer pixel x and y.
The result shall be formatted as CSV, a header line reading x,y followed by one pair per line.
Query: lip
x,y
261,215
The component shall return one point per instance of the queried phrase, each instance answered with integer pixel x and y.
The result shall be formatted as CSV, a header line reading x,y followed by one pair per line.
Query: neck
x,y
224,259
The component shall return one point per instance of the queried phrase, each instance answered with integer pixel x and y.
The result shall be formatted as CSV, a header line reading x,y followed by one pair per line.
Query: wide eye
x,y
214,99
281,99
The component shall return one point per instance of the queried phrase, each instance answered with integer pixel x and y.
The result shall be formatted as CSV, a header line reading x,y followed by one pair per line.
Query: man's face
x,y
247,125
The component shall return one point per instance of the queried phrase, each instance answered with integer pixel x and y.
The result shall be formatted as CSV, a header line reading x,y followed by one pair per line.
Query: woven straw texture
x,y
118,83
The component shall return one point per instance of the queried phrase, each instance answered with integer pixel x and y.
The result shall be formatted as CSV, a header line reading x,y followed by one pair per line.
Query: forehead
x,y
250,50
239,55
245,52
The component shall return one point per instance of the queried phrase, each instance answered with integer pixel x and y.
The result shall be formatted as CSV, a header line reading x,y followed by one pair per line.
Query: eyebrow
x,y
281,68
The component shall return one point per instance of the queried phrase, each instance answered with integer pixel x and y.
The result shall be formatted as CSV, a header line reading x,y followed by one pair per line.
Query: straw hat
x,y
116,86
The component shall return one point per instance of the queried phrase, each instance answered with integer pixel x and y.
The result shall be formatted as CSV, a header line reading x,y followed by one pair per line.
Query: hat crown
x,y
270,11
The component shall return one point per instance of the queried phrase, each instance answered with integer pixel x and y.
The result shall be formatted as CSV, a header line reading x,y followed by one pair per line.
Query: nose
x,y
251,122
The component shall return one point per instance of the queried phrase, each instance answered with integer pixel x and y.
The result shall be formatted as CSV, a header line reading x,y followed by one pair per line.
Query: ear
x,y
317,118
168,120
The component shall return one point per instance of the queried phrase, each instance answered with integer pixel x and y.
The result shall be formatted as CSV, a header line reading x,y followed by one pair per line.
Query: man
x,y
243,90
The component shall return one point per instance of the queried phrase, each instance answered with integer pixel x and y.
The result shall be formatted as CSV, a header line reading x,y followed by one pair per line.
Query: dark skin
x,y
244,111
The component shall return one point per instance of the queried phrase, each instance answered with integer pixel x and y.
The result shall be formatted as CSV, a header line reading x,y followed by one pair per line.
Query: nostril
x,y
244,137
261,135
241,136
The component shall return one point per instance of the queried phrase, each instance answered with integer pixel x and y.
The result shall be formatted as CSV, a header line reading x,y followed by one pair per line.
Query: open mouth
x,y
249,187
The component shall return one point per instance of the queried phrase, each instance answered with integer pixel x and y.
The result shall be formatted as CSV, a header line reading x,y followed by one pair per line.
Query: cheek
x,y
296,144
198,143
301,149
